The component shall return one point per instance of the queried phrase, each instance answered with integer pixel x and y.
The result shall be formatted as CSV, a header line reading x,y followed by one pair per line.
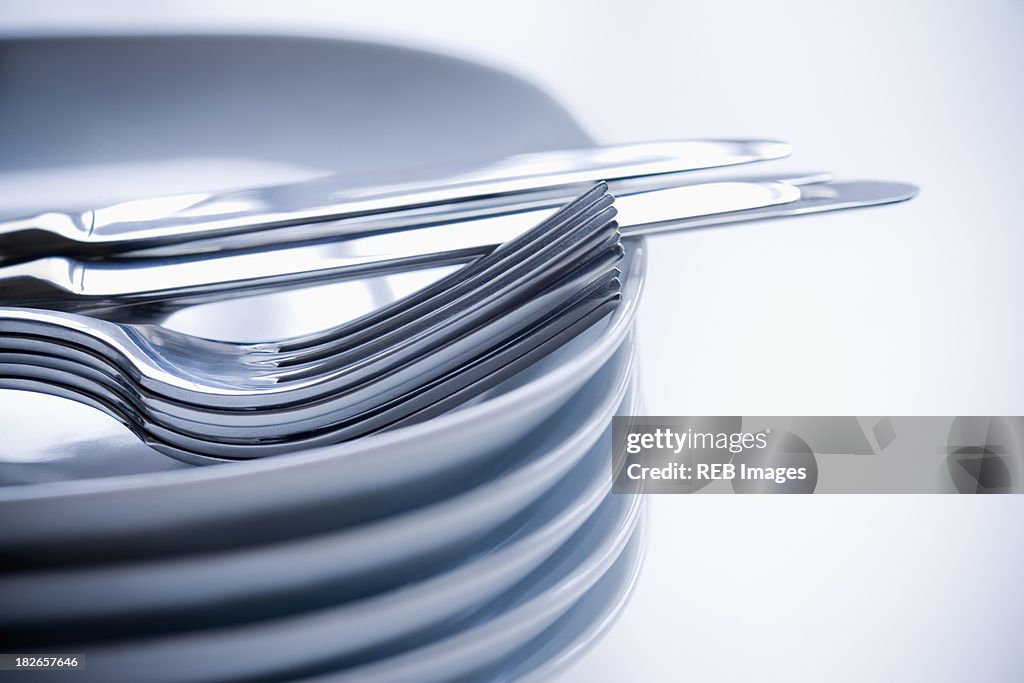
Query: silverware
x,y
262,213
196,398
815,197
106,288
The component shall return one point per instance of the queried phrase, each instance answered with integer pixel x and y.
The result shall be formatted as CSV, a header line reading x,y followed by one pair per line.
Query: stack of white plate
x,y
481,545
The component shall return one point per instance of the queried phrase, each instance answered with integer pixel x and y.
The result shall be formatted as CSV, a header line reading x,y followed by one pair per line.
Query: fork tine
x,y
564,220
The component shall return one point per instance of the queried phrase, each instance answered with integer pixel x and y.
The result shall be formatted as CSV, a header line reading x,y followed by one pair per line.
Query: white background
x,y
913,309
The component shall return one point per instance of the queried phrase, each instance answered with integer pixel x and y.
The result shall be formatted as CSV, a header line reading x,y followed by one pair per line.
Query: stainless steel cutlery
x,y
64,283
76,288
271,214
109,288
405,363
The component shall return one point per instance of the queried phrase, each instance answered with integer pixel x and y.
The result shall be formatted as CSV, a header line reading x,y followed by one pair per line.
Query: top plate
x,y
170,108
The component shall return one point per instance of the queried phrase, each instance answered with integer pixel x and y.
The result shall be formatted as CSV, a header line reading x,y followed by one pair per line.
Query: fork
x,y
194,398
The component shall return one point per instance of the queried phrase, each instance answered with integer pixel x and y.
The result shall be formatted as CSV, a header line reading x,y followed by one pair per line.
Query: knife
x,y
143,223
104,288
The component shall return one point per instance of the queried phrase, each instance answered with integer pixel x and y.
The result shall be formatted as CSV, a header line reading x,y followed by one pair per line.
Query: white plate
x,y
352,561
239,503
512,622
332,634
157,513
581,627
478,639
